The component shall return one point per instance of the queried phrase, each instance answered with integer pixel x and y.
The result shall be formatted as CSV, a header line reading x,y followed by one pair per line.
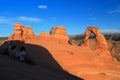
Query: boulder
x,y
59,32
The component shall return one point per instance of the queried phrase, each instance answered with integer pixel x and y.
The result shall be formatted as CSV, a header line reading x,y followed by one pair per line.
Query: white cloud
x,y
29,19
114,11
2,17
43,6
4,20
92,18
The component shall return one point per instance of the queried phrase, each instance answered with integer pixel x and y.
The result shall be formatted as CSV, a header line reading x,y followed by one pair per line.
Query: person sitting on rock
x,y
12,52
22,54
16,54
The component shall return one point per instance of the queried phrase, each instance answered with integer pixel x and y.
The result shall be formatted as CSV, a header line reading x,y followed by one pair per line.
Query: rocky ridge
x,y
26,34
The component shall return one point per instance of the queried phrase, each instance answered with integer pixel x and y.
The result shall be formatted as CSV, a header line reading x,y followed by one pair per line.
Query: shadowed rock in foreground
x,y
40,65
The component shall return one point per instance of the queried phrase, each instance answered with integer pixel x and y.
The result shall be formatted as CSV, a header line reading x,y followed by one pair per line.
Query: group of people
x,y
14,53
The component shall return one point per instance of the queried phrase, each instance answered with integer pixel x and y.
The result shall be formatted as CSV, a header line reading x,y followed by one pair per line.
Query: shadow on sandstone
x,y
40,57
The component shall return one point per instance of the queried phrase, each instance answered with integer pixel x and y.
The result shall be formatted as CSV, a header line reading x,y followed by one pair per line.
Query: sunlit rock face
x,y
28,33
22,33
59,32
101,42
17,34
44,34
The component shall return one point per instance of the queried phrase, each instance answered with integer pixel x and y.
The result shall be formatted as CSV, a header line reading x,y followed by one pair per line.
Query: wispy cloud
x,y
4,20
114,11
43,6
2,17
29,19
92,18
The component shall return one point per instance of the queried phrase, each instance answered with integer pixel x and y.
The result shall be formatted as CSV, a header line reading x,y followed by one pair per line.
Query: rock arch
x,y
101,42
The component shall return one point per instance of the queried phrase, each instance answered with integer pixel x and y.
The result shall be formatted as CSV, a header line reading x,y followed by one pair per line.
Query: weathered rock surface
x,y
28,33
17,35
115,49
22,33
59,32
44,34
101,42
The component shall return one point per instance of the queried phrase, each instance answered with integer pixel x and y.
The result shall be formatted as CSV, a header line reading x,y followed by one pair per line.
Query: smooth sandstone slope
x,y
82,61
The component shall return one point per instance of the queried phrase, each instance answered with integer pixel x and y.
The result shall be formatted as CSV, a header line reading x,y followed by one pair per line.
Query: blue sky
x,y
75,15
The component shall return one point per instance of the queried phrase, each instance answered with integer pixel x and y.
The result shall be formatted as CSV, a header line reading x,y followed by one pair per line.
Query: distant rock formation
x,y
59,32
22,33
28,33
101,42
18,30
115,49
44,34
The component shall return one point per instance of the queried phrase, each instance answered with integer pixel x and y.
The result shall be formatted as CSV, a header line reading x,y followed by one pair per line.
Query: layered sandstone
x,y
44,34
22,33
28,33
17,34
59,32
101,42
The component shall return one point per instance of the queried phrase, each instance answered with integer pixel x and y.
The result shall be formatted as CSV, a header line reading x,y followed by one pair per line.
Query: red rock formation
x,y
44,34
80,61
101,42
21,33
115,49
18,30
59,33
28,33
